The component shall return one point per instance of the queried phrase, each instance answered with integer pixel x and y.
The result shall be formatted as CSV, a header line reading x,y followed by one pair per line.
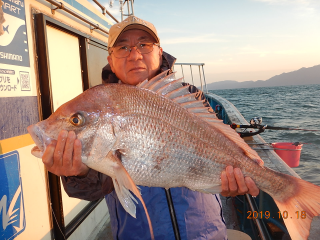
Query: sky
x,y
240,40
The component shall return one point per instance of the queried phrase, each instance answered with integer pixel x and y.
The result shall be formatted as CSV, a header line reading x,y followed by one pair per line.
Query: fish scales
x,y
168,133
163,144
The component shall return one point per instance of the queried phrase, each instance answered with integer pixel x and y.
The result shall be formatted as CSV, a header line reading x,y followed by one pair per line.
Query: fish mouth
x,y
40,138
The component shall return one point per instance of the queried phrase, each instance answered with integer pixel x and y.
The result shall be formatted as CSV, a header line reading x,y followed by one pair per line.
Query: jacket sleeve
x,y
92,187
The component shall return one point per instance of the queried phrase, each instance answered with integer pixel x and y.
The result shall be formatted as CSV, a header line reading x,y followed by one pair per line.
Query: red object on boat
x,y
289,152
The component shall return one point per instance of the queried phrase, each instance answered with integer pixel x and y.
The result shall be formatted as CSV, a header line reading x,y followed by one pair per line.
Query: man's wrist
x,y
83,174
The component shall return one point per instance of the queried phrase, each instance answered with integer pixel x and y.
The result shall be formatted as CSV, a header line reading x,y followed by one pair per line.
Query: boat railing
x,y
56,5
201,77
104,10
60,5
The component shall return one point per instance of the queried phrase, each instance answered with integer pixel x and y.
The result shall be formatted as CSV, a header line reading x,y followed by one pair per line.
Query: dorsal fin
x,y
172,88
153,80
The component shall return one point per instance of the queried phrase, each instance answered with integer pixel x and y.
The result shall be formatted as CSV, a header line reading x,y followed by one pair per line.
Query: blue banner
x,y
12,217
13,33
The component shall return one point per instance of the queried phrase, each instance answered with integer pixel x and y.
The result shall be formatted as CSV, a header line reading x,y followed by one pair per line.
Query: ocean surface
x,y
286,106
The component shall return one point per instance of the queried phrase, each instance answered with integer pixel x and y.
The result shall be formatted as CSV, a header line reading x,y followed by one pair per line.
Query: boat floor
x,y
105,232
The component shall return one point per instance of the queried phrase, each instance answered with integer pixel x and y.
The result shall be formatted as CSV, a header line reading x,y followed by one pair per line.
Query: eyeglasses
x,y
124,51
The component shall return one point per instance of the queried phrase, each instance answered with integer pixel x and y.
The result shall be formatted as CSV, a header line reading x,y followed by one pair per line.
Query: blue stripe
x,y
86,11
221,214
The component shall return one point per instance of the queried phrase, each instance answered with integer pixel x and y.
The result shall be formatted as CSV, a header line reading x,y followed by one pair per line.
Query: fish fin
x,y
122,184
212,190
185,98
199,109
153,80
171,88
142,84
181,91
193,104
167,86
232,135
306,199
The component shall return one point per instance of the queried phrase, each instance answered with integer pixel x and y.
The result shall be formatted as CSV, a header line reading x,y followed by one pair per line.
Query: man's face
x,y
136,67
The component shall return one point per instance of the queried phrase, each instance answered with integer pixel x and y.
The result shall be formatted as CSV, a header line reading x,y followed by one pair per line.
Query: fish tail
x,y
299,208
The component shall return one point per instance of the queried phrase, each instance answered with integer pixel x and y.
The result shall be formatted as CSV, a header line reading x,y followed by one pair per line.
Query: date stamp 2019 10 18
x,y
284,215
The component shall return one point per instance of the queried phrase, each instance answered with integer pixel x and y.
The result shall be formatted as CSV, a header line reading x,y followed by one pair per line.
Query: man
x,y
136,55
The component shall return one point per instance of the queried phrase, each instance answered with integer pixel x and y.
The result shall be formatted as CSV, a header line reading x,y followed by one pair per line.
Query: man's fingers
x,y
63,157
68,150
233,187
224,184
47,157
253,189
58,153
233,183
79,168
242,187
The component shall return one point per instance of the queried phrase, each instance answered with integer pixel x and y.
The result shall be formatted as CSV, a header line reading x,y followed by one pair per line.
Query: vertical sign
x,y
12,218
14,52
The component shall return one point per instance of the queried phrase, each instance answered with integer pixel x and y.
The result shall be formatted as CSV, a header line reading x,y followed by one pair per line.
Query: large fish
x,y
158,135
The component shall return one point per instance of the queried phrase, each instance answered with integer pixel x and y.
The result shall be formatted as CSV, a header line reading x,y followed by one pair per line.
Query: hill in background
x,y
302,76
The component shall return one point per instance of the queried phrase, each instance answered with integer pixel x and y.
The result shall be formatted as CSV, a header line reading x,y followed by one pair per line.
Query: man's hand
x,y
233,183
63,157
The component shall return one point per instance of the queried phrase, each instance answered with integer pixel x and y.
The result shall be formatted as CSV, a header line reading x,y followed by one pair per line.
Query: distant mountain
x,y
302,76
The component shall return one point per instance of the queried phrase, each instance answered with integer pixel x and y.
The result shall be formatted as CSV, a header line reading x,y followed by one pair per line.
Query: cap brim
x,y
140,27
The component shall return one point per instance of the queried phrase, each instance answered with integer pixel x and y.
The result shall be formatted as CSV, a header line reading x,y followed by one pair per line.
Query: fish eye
x,y
77,119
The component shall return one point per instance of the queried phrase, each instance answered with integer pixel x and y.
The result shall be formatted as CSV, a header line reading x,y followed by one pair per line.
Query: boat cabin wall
x,y
46,58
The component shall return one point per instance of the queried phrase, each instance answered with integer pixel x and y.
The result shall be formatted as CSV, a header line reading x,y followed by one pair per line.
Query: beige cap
x,y
131,22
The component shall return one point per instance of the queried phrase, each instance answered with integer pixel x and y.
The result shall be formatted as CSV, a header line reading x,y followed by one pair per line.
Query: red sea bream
x,y
158,135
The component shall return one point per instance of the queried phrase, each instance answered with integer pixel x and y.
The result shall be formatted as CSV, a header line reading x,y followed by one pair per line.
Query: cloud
x,y
114,10
290,52
303,7
207,38
253,50
289,2
169,30
263,53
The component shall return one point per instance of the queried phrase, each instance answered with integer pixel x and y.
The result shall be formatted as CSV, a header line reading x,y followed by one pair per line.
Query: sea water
x,y
285,106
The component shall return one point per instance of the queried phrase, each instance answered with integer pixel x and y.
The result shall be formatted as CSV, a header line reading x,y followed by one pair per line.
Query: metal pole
x,y
121,9
263,232
200,79
204,79
132,7
172,215
191,75
111,16
60,5
182,72
128,7
102,7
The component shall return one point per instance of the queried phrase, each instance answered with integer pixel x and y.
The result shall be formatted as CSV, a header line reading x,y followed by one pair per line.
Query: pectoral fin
x,y
122,184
